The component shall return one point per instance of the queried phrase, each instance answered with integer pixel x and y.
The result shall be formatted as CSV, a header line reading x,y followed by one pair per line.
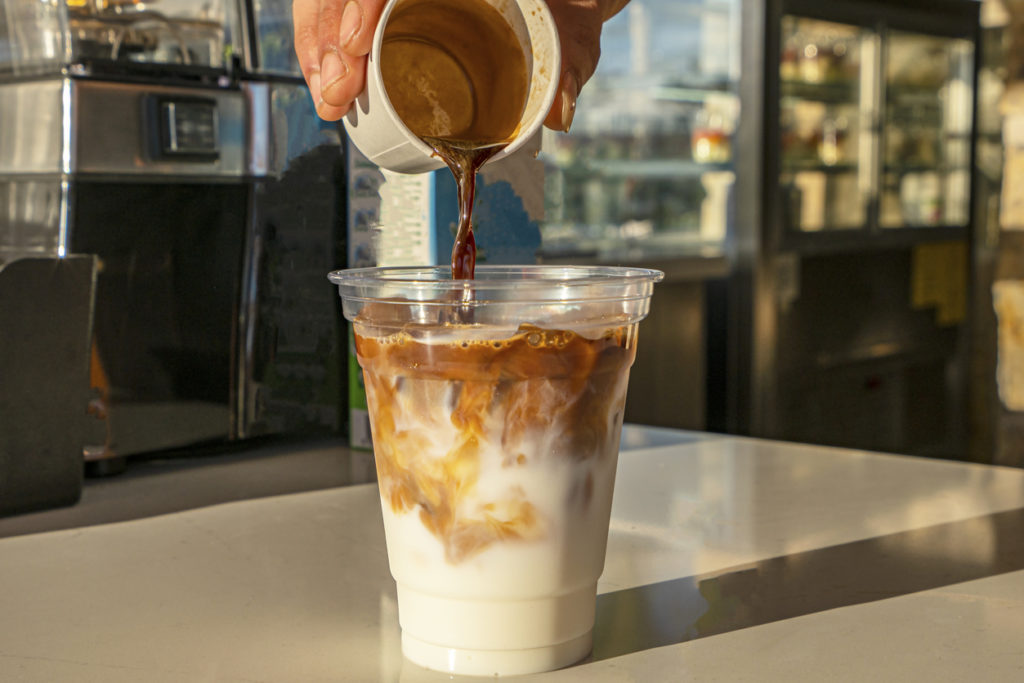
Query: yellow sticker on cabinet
x,y
939,280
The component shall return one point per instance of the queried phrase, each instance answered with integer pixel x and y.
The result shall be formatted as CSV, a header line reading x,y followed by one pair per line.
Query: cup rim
x,y
527,129
493,278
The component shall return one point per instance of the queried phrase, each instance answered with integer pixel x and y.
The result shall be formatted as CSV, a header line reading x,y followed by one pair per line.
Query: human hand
x,y
333,38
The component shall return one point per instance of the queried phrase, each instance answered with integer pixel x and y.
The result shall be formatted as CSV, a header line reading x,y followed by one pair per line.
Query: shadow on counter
x,y
679,610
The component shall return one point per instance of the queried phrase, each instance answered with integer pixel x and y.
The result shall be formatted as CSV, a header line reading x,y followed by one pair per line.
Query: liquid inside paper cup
x,y
496,407
382,136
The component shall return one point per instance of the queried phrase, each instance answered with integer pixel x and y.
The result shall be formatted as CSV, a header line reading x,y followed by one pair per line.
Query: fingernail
x,y
332,70
351,22
314,89
569,91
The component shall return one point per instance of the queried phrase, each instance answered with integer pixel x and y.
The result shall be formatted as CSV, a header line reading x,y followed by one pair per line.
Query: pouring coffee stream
x,y
464,160
461,90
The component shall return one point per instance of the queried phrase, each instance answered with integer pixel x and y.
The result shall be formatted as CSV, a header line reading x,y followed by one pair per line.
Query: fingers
x,y
304,20
342,78
340,83
579,32
358,22
332,39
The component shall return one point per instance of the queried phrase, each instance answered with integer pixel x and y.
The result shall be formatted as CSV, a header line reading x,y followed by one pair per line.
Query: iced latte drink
x,y
496,406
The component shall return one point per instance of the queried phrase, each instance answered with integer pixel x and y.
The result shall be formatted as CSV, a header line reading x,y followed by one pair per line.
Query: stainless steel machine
x,y
174,140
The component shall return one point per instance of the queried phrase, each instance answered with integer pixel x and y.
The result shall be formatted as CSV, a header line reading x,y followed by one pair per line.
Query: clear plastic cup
x,y
496,407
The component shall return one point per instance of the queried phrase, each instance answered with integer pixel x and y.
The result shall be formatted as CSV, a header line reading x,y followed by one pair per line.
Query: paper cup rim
x,y
526,132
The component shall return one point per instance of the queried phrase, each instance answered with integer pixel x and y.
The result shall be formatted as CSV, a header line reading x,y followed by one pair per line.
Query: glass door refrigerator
x,y
646,177
848,319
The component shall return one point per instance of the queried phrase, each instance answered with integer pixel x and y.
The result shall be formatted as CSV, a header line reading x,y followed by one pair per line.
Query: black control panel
x,y
186,128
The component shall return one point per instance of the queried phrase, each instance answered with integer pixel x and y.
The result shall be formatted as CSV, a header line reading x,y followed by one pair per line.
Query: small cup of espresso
x,y
469,73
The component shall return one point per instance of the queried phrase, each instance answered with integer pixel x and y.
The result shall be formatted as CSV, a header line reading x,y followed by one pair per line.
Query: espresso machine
x,y
175,143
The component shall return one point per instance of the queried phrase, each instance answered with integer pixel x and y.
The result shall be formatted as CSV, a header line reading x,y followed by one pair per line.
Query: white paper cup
x,y
379,133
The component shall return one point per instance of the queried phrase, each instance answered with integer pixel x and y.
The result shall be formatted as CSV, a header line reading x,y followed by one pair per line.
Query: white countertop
x,y
728,559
